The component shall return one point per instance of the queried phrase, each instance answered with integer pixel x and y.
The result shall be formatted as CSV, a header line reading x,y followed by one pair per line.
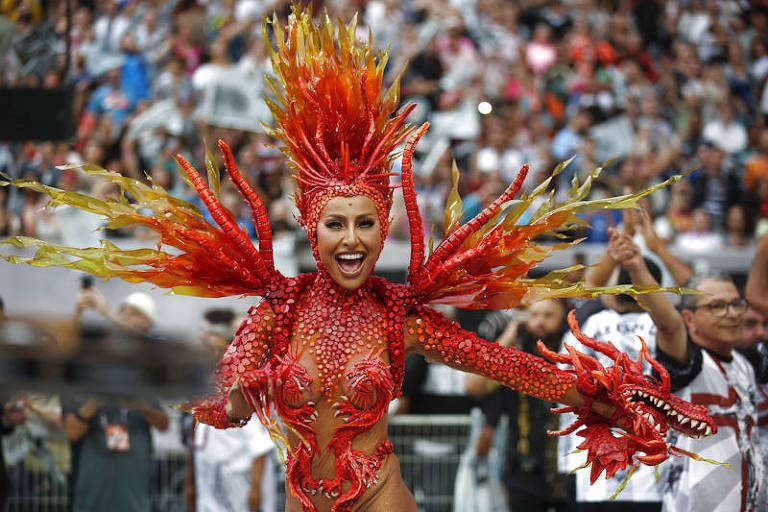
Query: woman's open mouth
x,y
350,263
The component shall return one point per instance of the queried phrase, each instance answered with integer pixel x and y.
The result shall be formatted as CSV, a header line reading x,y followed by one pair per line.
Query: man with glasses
x,y
706,369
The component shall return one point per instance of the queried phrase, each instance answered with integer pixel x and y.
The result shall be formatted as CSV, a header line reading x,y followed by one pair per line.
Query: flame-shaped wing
x,y
208,261
484,263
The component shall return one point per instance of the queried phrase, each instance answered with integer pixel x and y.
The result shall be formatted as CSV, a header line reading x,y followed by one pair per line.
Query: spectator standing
x,y
38,444
567,142
700,238
110,27
705,369
112,453
111,441
754,346
134,76
11,415
755,342
111,99
540,52
622,321
229,470
756,166
152,37
530,469
725,132
737,229
715,186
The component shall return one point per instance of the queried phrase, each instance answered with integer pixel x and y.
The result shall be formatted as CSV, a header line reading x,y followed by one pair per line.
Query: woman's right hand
x,y
237,405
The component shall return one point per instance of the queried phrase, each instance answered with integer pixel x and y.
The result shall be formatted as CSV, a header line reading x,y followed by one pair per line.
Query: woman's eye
x,y
333,224
366,223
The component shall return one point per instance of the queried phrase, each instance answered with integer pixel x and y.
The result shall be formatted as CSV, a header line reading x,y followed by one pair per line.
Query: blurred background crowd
x,y
663,86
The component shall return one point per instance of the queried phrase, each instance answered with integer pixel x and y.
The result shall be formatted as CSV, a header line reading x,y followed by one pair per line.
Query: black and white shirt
x,y
726,387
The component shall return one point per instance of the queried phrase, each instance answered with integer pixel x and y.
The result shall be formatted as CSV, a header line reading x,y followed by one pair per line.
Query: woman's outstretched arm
x,y
602,397
439,339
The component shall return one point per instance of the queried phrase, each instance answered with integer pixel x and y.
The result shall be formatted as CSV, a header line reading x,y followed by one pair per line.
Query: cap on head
x,y
143,303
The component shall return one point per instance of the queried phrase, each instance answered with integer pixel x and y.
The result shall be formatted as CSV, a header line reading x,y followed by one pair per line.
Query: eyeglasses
x,y
720,307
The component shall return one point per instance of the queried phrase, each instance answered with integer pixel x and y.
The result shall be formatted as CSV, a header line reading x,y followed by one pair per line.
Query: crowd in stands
x,y
663,86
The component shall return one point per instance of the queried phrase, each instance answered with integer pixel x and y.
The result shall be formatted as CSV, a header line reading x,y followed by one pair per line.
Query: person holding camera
x,y
110,435
137,312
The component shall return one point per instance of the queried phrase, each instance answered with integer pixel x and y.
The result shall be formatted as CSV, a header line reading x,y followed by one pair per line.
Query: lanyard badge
x,y
116,434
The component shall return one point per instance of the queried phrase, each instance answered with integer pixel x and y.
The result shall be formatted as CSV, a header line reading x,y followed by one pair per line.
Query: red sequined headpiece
x,y
332,115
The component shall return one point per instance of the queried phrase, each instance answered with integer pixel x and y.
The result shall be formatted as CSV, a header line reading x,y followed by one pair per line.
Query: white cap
x,y
142,302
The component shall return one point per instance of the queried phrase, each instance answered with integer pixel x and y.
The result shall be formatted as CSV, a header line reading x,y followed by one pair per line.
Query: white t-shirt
x,y
621,329
223,460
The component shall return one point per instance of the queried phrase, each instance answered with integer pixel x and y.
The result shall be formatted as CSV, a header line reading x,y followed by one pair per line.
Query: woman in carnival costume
x,y
324,351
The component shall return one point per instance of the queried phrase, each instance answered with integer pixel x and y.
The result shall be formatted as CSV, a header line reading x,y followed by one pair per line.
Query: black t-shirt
x,y
426,402
531,457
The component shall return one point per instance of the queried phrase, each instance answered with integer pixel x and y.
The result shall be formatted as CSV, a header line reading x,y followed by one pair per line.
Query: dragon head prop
x,y
645,408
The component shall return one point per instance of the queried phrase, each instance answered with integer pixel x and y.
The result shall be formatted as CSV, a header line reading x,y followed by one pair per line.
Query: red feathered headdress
x,y
332,115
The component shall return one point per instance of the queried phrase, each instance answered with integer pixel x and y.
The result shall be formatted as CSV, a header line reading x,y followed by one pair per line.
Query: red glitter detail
x,y
445,340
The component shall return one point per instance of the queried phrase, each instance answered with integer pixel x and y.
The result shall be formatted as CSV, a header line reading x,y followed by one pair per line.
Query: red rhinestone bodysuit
x,y
313,348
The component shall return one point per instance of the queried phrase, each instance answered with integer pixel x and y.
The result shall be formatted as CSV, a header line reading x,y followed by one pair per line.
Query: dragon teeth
x,y
667,407
694,423
683,421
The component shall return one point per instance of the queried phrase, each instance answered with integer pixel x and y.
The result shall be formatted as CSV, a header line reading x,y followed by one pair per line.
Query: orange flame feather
x,y
336,123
